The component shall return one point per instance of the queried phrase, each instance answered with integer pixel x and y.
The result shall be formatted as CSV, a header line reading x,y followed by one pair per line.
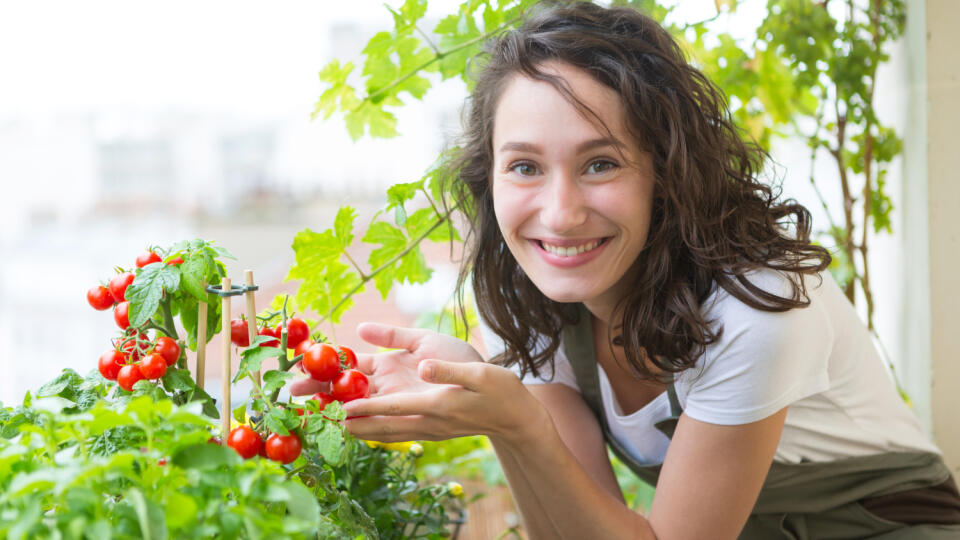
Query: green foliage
x,y
157,477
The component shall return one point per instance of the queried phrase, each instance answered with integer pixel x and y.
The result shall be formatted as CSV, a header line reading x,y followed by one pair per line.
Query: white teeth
x,y
571,250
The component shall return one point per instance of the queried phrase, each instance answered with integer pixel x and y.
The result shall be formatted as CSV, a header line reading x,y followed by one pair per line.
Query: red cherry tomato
x,y
303,346
297,331
324,399
266,331
120,315
321,362
350,385
168,349
99,298
245,441
110,364
147,257
176,261
119,284
238,333
349,357
283,448
128,376
153,366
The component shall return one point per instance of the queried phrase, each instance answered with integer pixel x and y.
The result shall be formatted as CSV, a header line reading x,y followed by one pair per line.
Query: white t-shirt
x,y
818,360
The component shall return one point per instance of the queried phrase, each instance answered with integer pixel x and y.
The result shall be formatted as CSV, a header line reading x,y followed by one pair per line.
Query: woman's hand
x,y
435,387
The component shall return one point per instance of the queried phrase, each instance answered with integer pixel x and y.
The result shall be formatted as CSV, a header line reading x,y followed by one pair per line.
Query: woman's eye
x,y
524,169
599,166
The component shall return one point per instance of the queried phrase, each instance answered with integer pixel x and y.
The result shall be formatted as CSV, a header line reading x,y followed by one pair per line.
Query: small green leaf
x,y
275,379
205,456
193,273
343,226
240,414
329,442
180,509
252,359
178,380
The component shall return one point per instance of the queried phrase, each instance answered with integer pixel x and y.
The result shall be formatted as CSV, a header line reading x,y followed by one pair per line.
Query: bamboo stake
x,y
201,342
251,316
225,369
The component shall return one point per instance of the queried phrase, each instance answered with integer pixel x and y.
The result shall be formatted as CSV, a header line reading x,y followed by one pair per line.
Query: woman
x,y
656,297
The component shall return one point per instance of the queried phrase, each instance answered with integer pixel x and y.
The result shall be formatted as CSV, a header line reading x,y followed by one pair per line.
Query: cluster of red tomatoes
x,y
323,362
135,356
282,448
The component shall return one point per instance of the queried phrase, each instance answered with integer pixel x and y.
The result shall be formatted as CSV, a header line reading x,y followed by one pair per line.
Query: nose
x,y
564,204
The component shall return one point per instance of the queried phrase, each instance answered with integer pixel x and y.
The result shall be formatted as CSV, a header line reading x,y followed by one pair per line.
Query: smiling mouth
x,y
570,251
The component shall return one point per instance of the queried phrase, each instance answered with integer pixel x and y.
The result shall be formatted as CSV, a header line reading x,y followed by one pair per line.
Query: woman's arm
x,y
709,482
581,434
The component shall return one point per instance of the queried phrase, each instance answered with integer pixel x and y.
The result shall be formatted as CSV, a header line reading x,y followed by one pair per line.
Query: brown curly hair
x,y
713,220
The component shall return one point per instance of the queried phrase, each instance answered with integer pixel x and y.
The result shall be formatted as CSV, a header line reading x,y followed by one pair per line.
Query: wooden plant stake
x,y
225,369
251,314
201,341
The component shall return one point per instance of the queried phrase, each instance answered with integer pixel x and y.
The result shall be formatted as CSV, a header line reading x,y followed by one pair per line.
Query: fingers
x,y
307,387
391,337
365,363
470,375
397,429
399,404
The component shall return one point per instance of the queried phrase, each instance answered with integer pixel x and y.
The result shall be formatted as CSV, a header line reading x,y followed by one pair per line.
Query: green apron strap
x,y
578,347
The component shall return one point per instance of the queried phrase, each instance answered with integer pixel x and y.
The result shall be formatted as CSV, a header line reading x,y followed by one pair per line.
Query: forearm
x,y
532,513
573,503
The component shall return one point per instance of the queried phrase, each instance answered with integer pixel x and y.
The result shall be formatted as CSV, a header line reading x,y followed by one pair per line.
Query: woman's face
x,y
573,211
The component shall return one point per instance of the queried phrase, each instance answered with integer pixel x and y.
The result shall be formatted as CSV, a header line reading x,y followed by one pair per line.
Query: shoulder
x,y
763,360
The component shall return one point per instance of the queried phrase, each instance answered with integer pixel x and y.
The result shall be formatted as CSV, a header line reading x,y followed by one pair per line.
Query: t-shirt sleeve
x,y
763,362
562,372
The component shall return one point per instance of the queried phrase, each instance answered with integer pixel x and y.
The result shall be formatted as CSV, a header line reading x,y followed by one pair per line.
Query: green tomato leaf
x,y
275,379
193,272
205,456
180,509
275,420
343,225
149,515
148,288
177,380
329,441
240,414
252,359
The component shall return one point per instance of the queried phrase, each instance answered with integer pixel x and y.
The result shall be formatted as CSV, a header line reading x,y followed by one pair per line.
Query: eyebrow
x,y
582,147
